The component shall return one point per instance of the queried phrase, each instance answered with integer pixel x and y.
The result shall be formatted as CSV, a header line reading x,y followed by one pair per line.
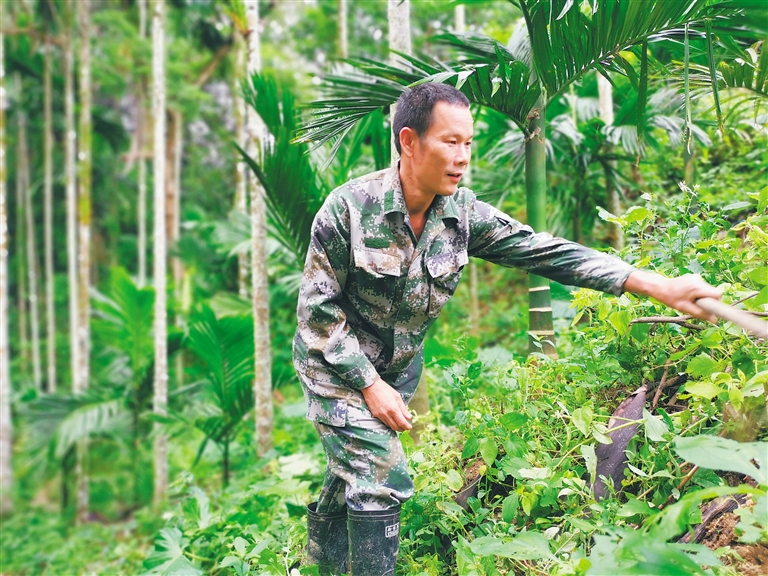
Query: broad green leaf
x,y
590,459
582,418
509,507
635,214
488,451
240,545
454,480
633,506
723,454
513,421
598,433
525,546
582,525
737,205
654,427
762,201
535,473
620,321
168,555
759,275
703,365
703,389
762,297
471,447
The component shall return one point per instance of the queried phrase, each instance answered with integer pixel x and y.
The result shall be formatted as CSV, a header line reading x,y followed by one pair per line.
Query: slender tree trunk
x,y
540,327
50,317
6,425
460,19
689,164
70,177
605,101
84,169
399,36
260,287
21,275
160,398
460,25
142,208
175,232
241,182
343,33
225,463
23,177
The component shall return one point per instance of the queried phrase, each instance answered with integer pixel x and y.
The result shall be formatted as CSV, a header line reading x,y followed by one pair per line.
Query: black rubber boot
x,y
374,539
327,541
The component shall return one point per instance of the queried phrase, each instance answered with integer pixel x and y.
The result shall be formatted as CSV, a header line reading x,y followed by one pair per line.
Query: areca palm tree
x,y
561,40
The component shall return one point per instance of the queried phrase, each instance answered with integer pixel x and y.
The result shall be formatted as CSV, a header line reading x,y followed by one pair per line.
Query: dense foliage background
x,y
505,458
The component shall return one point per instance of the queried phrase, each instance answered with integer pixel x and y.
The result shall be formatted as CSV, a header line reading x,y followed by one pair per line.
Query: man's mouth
x,y
455,175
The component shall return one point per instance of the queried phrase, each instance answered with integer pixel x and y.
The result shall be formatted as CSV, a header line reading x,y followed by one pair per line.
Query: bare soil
x,y
720,533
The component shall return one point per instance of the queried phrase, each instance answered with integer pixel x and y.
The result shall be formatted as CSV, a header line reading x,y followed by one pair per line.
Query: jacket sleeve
x,y
498,238
322,322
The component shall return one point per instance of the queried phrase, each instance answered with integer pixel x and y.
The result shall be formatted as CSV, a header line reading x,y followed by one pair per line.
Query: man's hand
x,y
386,404
679,293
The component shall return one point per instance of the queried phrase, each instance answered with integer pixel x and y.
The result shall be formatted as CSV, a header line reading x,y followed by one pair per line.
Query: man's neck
x,y
417,201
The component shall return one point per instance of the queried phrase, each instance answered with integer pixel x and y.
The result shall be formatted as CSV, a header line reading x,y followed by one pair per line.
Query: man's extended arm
x,y
679,293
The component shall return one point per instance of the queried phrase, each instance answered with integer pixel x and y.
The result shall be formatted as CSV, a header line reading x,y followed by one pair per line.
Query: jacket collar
x,y
443,207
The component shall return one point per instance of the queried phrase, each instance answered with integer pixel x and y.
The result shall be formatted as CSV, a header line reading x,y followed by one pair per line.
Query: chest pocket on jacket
x,y
444,274
377,274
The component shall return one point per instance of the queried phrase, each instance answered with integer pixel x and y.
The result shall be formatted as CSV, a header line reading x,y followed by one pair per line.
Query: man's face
x,y
441,156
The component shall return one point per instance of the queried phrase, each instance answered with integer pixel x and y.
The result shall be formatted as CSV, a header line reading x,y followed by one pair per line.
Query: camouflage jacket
x,y
370,289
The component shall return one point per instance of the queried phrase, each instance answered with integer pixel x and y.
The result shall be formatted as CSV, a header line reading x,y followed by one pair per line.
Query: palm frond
x,y
486,72
124,317
567,41
225,347
285,171
64,420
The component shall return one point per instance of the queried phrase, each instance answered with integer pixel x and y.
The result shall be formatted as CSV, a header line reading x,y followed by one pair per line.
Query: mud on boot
x,y
327,541
374,540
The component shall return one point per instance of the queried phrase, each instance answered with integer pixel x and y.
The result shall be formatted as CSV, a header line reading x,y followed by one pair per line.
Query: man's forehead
x,y
449,117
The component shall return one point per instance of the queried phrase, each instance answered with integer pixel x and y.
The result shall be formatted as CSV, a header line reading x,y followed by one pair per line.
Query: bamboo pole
x,y
540,327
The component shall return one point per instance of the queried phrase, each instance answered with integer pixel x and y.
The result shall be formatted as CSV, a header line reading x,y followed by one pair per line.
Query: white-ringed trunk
x,y
142,207
70,179
160,397
605,103
241,135
84,205
399,36
260,287
50,318
6,426
23,177
343,32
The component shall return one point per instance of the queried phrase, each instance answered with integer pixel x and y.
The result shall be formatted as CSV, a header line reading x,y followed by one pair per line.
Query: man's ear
x,y
408,138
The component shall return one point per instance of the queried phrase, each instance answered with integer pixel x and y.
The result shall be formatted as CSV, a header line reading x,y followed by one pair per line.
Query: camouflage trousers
x,y
367,468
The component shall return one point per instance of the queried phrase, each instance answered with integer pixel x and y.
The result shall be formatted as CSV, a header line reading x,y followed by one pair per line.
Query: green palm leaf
x,y
293,193
225,348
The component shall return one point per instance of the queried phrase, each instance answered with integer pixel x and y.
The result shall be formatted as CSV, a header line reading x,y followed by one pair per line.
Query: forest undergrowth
x,y
504,463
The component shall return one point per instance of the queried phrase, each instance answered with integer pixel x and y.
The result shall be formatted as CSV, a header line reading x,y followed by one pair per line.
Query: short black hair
x,y
414,107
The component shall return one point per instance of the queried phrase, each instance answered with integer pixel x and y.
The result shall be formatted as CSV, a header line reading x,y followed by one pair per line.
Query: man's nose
x,y
463,157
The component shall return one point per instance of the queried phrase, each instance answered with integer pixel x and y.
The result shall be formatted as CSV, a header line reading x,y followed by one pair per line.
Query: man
x,y
386,254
